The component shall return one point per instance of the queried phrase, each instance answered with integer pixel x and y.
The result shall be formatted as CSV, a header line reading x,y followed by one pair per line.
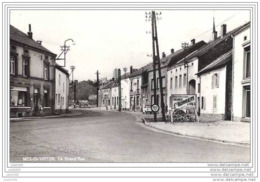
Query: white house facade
x,y
241,75
125,92
61,90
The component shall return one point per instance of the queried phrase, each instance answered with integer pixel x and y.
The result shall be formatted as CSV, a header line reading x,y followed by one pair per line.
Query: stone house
x,y
32,75
61,89
241,102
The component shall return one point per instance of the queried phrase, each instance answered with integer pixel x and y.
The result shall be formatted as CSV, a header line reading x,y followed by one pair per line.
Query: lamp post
x,y
64,50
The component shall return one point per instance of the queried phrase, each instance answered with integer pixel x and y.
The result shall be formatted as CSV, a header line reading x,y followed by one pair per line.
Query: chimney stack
x,y
39,42
192,41
214,35
172,51
163,55
131,69
223,30
30,34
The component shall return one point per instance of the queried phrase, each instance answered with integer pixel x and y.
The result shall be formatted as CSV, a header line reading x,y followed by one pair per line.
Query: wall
x,y
136,93
62,91
178,70
208,92
114,98
238,73
125,93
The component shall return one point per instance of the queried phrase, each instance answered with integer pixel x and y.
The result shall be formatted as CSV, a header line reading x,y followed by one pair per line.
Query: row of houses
x,y
216,72
38,86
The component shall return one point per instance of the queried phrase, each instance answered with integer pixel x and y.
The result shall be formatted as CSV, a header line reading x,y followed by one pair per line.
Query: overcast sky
x,y
111,39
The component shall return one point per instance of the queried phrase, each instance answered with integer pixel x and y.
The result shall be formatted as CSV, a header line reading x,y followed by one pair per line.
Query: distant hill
x,y
84,89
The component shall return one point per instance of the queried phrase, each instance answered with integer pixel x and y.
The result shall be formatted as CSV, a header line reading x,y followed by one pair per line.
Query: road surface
x,y
105,136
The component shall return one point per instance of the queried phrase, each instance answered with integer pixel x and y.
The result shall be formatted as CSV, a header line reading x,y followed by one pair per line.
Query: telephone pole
x,y
119,89
97,85
156,61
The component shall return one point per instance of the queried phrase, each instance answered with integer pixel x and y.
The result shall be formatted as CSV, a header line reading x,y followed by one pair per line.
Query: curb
x,y
197,137
44,117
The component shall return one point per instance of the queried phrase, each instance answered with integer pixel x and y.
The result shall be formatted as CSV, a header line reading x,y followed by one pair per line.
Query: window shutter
x,y
16,66
217,80
28,67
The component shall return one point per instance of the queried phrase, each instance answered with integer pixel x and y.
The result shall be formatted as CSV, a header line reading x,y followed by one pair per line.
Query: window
x,y
12,65
59,79
176,81
46,71
247,63
18,98
158,83
25,67
171,84
157,100
248,103
163,82
184,80
214,102
137,84
152,83
152,99
59,99
131,86
117,100
198,87
180,81
46,98
203,103
215,80
137,100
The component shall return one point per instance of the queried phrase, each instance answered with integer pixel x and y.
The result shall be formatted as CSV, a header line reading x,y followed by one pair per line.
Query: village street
x,y
110,136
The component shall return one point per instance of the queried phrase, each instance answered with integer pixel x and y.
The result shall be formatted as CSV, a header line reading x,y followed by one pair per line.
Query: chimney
x,y
223,30
214,35
172,51
131,69
30,34
192,41
39,42
163,55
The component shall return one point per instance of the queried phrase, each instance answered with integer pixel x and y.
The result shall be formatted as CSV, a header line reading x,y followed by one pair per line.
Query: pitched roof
x,y
219,62
18,36
206,48
108,85
62,69
124,76
140,70
181,53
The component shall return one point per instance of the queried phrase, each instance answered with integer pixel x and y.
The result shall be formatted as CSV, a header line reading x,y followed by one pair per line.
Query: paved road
x,y
104,136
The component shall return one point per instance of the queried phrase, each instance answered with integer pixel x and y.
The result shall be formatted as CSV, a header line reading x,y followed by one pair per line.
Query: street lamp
x,y
185,45
64,50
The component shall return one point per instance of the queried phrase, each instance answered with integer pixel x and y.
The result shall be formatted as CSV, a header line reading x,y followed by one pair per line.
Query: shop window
x,y
25,67
18,98
247,63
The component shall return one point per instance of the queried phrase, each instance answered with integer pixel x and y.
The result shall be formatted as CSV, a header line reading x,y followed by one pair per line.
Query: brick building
x,y
32,75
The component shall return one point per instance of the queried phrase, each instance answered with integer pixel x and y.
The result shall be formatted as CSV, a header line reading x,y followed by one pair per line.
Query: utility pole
x,y
64,50
75,90
119,89
97,85
159,66
156,61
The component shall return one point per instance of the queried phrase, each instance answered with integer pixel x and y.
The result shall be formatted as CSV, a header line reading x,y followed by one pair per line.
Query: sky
x,y
109,39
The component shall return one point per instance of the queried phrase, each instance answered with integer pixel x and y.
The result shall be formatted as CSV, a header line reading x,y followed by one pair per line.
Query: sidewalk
x,y
220,131
46,117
